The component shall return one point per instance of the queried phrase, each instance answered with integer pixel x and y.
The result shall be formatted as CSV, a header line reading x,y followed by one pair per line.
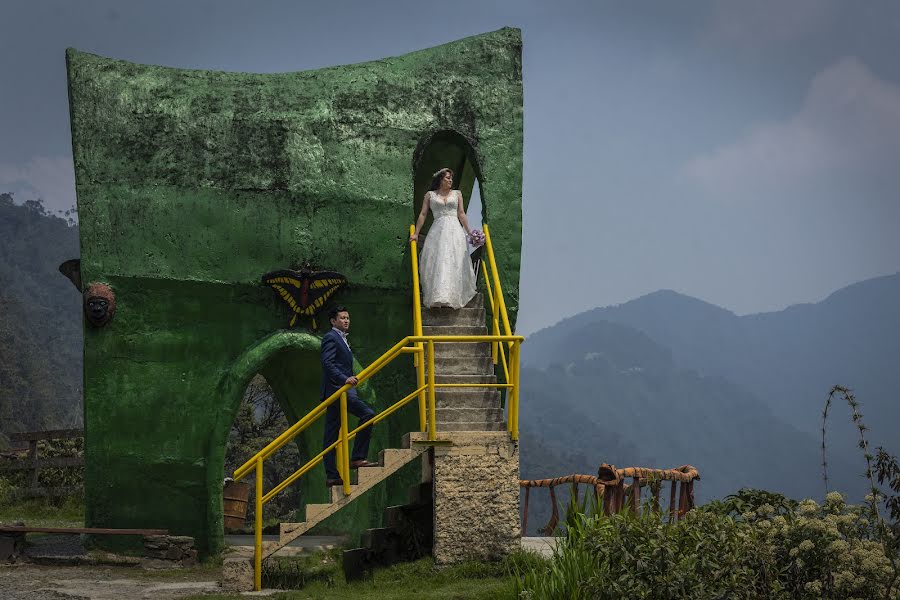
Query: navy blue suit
x,y
337,366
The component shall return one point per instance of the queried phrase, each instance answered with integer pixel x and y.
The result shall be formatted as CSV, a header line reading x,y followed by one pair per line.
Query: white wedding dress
x,y
446,269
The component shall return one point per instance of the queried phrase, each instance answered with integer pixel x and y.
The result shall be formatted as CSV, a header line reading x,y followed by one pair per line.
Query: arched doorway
x,y
448,148
290,365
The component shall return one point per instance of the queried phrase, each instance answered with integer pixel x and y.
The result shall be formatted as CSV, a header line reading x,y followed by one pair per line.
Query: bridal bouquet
x,y
476,238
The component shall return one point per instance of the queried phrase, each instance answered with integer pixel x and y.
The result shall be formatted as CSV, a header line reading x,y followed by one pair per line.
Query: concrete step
x,y
419,439
471,426
454,330
272,547
467,415
337,492
463,365
380,538
285,529
477,301
313,511
467,378
448,316
391,456
472,398
460,349
367,474
393,515
391,460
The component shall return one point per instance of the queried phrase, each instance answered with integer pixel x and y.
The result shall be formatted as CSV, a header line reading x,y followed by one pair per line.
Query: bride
x,y
446,270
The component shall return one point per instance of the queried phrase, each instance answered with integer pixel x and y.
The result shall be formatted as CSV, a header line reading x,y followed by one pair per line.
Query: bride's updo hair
x,y
436,178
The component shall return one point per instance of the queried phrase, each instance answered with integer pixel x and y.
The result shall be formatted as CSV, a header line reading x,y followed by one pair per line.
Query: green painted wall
x,y
192,184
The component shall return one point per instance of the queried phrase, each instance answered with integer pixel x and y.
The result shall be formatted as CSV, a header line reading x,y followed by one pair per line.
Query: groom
x,y
337,370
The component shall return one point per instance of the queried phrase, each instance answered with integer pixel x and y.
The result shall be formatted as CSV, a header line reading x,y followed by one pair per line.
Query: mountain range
x,y
667,379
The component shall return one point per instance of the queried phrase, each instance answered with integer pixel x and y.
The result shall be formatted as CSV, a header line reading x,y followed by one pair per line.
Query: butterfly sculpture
x,y
305,291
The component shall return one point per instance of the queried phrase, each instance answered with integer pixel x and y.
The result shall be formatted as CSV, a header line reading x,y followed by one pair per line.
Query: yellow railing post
x,y
496,277
420,383
258,527
345,448
339,457
514,395
485,268
417,326
432,418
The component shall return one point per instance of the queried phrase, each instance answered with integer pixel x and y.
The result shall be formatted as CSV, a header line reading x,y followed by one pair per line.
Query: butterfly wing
x,y
290,286
321,286
304,292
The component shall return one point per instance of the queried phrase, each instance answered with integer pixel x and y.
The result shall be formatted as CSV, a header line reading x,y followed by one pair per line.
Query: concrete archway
x,y
290,363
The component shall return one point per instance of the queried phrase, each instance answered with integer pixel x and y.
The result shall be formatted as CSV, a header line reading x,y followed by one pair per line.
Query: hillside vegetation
x,y
40,328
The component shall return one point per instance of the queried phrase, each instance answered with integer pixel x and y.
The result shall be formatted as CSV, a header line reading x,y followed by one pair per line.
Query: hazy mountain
x,y
789,359
684,381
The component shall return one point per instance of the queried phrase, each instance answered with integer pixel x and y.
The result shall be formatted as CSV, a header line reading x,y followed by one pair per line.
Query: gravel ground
x,y
25,581
37,580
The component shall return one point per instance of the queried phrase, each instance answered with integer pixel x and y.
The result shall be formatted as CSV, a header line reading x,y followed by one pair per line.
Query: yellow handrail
x,y
498,313
502,303
494,318
423,349
417,323
364,375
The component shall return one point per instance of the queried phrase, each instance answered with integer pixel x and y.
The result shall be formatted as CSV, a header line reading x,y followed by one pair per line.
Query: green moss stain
x,y
193,184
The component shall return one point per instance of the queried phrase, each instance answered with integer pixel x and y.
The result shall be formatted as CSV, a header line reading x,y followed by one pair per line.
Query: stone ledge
x,y
164,551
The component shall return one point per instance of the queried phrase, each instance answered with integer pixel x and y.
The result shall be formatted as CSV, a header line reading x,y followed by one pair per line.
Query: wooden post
x,y
672,501
525,519
636,495
689,496
554,515
609,499
682,500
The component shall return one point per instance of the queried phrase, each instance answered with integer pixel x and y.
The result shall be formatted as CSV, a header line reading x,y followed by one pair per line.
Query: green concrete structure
x,y
193,184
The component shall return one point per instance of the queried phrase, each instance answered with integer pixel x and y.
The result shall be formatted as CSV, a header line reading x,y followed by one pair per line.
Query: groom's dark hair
x,y
333,313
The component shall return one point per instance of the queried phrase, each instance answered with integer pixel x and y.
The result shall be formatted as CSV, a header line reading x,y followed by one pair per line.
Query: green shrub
x,y
800,551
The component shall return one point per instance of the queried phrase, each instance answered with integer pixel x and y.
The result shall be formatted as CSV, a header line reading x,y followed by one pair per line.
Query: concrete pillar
x,y
476,496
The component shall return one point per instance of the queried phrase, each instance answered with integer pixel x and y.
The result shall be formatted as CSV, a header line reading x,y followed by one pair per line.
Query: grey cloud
x,y
848,126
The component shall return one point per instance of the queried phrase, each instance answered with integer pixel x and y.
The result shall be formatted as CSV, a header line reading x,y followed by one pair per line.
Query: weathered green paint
x,y
193,184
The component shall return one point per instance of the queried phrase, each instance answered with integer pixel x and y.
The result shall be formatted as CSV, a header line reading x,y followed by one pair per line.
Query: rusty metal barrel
x,y
234,503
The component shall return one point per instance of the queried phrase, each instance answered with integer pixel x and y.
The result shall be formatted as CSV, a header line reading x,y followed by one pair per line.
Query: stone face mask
x,y
99,304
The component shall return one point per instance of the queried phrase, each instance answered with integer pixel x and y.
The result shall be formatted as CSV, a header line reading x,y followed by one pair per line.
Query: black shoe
x,y
356,464
333,482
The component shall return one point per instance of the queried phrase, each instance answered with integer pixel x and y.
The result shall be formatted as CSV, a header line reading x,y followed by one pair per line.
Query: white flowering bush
x,y
827,551
772,549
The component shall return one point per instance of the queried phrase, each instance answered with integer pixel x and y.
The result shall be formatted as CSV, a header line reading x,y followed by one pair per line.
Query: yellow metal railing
x,y
510,364
423,349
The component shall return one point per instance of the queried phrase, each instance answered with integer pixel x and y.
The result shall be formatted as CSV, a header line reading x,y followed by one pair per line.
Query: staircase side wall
x,y
476,498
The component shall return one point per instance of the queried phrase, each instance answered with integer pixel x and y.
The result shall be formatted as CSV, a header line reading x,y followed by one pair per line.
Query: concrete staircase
x,y
390,461
463,409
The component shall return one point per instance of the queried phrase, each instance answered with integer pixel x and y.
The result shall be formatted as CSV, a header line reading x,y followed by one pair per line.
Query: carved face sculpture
x,y
99,304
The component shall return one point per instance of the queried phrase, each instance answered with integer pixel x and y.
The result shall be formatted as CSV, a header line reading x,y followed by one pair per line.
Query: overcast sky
x,y
745,153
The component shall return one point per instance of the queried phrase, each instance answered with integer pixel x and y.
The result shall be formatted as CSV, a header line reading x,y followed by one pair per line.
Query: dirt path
x,y
35,582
